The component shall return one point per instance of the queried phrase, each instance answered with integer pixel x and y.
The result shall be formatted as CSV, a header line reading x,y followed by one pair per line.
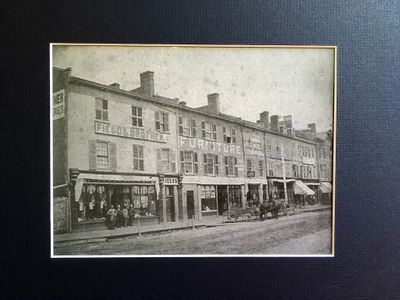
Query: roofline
x,y
241,122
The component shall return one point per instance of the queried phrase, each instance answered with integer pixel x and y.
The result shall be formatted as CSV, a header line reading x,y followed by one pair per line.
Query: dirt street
x,y
307,233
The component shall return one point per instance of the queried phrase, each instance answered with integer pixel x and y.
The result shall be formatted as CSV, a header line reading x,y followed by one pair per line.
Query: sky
x,y
283,81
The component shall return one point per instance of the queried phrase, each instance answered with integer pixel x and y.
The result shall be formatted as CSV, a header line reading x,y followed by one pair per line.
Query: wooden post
x,y
284,178
139,228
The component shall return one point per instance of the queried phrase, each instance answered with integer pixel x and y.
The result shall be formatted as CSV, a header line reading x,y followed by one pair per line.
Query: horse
x,y
273,206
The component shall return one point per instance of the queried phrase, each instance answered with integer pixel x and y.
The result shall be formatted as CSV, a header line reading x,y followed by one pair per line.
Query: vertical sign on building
x,y
58,105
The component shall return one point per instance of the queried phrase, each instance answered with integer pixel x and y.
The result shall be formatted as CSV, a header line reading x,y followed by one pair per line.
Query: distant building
x,y
170,161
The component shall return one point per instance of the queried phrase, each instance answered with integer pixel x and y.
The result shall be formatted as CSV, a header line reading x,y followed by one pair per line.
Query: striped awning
x,y
326,187
300,188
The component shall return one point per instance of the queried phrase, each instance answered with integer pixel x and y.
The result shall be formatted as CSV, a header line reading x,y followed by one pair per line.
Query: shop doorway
x,y
190,204
222,199
169,194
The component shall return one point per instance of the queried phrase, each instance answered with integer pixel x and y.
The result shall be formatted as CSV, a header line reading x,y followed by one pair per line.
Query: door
x,y
190,204
222,199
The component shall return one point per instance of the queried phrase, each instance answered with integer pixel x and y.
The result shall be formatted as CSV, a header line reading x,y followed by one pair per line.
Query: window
x,y
187,126
138,159
231,168
295,169
166,162
229,135
281,129
278,149
235,196
144,200
210,164
254,143
324,152
250,168
289,132
312,152
161,121
137,116
102,156
261,168
208,199
300,151
302,172
208,131
101,109
189,162
270,168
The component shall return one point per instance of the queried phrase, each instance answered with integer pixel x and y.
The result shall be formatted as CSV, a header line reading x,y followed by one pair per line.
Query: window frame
x,y
103,109
231,163
136,116
161,121
107,156
139,159
193,162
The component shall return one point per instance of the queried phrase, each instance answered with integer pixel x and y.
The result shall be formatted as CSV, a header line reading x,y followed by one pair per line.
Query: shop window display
x,y
208,199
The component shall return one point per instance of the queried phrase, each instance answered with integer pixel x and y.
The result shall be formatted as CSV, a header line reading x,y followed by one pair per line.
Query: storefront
x,y
95,193
277,189
302,193
325,193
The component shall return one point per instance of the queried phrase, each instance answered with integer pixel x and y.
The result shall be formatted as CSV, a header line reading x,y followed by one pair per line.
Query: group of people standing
x,y
120,217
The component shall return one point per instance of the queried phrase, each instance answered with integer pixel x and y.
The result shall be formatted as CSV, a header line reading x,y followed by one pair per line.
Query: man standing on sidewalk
x,y
112,214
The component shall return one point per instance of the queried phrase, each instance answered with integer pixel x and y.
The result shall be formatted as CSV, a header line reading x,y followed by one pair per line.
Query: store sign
x,y
170,181
58,105
129,132
308,161
209,146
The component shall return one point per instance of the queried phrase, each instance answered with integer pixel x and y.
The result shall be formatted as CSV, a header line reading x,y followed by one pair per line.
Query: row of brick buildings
x,y
170,161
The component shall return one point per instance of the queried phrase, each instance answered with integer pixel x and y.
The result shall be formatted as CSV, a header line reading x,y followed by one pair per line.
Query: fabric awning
x,y
326,187
114,179
282,181
300,188
312,183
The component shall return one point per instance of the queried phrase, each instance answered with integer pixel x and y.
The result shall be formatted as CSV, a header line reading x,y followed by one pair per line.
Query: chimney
x,y
288,121
213,103
147,83
274,122
182,103
264,119
115,85
312,127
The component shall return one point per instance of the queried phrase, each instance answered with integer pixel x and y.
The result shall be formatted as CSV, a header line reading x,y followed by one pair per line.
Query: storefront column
x,y
260,193
176,204
164,205
244,200
197,204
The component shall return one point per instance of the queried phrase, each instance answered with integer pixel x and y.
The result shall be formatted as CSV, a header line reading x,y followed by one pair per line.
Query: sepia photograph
x,y
192,150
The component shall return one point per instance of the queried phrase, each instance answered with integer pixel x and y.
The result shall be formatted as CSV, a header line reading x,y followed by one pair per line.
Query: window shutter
x,y
92,155
203,129
180,125
233,136
113,156
182,160
140,151
193,127
158,158
224,131
236,167
195,164
216,164
165,119
173,161
157,119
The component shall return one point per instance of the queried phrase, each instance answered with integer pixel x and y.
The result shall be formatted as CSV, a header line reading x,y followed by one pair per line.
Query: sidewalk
x,y
104,234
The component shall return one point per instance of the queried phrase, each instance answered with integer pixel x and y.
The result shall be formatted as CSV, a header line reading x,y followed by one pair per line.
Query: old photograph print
x,y
192,150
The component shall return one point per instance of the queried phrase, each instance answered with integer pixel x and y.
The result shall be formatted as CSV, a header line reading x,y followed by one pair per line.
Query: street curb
x,y
78,241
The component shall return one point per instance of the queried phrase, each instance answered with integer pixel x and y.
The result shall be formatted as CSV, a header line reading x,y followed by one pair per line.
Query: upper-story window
x,y
324,152
270,168
161,119
138,158
189,162
250,168
295,170
231,167
166,162
137,116
208,131
187,126
102,156
254,143
210,164
101,109
229,135
261,168
300,150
